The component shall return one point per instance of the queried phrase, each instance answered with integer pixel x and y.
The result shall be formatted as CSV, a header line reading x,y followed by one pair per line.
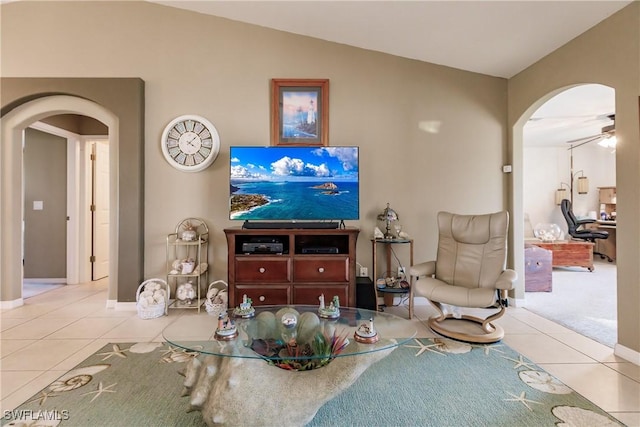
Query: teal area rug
x,y
426,382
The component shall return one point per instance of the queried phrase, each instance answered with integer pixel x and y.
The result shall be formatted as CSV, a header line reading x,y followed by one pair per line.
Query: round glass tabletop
x,y
292,337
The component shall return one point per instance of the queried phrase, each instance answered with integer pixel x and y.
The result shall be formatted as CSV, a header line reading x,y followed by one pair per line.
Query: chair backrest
x,y
572,222
472,249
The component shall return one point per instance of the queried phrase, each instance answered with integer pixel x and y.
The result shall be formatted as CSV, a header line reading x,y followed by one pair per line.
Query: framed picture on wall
x,y
299,112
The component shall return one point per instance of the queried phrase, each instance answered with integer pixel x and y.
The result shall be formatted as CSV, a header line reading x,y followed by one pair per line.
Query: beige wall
x,y
608,54
221,70
45,180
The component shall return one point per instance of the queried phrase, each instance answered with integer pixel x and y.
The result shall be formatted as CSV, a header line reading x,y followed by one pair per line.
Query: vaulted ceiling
x,y
497,38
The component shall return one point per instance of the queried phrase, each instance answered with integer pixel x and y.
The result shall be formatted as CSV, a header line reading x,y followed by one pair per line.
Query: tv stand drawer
x,y
262,269
321,269
264,295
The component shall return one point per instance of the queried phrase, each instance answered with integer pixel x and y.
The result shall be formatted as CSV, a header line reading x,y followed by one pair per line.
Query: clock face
x,y
190,143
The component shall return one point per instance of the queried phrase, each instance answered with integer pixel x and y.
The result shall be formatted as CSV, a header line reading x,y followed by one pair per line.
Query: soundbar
x,y
290,225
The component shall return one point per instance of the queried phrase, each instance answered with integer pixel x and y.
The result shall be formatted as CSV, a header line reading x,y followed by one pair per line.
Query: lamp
x,y
388,215
583,184
561,193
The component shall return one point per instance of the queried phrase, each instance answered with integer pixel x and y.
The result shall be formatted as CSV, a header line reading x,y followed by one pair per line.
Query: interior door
x,y
100,211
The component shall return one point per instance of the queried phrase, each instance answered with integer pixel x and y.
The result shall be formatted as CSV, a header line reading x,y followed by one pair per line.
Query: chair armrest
x,y
585,221
423,269
506,279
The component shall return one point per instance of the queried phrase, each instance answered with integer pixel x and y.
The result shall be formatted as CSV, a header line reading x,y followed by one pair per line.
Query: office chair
x,y
469,271
577,230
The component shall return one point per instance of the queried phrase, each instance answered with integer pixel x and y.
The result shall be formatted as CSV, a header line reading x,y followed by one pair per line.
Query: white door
x,y
100,211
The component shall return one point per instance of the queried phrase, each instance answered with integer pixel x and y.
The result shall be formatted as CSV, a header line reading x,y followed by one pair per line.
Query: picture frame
x,y
300,112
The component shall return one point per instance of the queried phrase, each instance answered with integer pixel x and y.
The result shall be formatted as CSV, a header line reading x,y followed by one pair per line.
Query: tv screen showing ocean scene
x,y
294,183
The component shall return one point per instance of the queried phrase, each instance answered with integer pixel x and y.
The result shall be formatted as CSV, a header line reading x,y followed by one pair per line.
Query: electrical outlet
x,y
401,272
364,272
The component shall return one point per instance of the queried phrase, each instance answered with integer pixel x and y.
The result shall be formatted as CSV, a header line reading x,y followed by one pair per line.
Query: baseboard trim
x,y
627,354
125,306
8,305
47,280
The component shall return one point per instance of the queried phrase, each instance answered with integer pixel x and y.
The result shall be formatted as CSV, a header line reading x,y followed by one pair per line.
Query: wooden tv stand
x,y
312,262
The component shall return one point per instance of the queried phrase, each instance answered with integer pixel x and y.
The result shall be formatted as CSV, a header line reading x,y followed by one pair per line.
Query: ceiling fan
x,y
606,137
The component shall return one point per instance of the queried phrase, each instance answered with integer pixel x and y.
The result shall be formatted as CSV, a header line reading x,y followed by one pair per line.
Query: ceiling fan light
x,y
608,142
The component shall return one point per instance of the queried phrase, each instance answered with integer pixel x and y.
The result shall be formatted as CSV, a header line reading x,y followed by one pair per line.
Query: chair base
x,y
467,329
603,256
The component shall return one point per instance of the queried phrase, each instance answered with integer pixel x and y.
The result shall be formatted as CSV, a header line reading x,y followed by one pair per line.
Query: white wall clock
x,y
190,143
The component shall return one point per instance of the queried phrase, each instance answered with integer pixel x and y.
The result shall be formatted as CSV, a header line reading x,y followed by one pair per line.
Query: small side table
x,y
390,293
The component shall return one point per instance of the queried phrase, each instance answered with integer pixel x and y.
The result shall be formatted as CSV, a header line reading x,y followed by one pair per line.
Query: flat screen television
x,y
279,183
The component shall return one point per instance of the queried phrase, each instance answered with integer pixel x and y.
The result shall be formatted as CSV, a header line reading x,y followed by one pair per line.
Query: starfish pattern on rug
x,y
520,362
489,348
101,389
42,397
522,399
117,351
423,347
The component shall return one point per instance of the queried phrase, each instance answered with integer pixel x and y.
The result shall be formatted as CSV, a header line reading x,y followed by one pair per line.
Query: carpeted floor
x,y
427,382
582,301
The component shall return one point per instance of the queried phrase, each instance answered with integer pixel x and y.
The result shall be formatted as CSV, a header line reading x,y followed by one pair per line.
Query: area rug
x,y
425,382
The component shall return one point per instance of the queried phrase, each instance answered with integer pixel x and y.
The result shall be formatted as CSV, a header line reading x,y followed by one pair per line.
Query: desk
x,y
570,253
607,246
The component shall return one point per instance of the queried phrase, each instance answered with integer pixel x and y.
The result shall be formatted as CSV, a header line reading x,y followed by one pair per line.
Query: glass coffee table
x,y
280,365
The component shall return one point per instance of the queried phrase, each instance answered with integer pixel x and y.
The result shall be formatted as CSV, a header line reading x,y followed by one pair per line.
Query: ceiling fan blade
x,y
585,139
580,142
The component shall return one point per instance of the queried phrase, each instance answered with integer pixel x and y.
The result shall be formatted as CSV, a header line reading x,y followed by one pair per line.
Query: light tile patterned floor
x,y
56,330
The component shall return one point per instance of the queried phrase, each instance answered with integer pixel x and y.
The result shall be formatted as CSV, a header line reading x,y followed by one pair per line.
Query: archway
x,y
566,118
13,125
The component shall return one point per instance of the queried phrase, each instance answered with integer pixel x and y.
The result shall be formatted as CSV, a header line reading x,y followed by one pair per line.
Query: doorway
x,y
84,196
13,128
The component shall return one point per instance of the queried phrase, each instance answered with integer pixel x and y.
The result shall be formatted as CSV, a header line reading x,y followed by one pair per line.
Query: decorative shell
x,y
76,378
544,382
144,347
450,346
580,417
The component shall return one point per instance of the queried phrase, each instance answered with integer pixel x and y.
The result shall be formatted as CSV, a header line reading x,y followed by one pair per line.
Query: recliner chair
x,y
469,271
578,231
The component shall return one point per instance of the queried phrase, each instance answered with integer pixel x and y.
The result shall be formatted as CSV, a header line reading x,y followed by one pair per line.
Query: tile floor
x,y
56,330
